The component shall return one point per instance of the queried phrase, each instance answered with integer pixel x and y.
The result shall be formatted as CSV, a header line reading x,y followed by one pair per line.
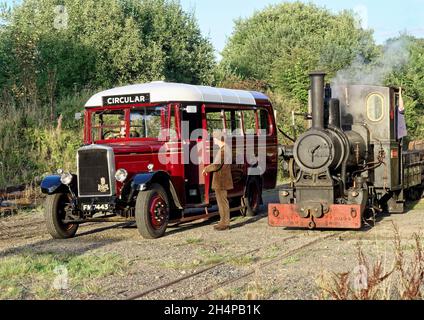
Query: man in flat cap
x,y
222,180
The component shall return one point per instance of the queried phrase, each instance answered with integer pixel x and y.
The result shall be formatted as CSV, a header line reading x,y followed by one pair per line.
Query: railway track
x,y
341,234
12,199
255,268
227,261
26,230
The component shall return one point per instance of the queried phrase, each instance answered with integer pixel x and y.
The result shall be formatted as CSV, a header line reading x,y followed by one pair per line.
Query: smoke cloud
x,y
395,55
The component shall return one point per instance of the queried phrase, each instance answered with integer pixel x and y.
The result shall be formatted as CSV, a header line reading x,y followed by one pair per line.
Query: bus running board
x,y
201,218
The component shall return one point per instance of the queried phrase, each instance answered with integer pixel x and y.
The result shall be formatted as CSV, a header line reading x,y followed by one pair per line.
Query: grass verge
x,y
372,281
32,275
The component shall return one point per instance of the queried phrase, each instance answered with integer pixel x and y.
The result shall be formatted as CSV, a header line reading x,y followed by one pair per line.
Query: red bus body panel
x,y
136,154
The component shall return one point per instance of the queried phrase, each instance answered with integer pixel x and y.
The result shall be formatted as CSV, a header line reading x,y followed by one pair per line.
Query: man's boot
x,y
221,227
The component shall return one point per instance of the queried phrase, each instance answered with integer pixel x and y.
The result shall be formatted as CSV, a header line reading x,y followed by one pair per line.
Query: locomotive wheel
x,y
54,213
252,199
415,194
152,212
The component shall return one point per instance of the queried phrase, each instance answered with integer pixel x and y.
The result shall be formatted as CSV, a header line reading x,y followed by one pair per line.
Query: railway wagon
x,y
352,163
145,147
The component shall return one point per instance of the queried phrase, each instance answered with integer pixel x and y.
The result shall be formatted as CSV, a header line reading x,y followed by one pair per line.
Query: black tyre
x,y
252,199
152,212
235,203
54,213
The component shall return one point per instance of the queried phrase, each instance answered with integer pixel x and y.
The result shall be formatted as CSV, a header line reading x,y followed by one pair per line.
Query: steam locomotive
x,y
352,163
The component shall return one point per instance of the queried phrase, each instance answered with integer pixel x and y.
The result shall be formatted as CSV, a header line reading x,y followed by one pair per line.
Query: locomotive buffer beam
x,y
295,216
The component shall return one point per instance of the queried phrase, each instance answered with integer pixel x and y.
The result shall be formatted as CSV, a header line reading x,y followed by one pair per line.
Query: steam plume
x,y
395,55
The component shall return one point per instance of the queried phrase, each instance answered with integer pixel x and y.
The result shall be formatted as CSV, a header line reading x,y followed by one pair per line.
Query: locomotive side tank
x,y
348,165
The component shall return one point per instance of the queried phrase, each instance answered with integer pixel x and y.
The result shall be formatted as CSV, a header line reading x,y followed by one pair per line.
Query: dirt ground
x,y
251,261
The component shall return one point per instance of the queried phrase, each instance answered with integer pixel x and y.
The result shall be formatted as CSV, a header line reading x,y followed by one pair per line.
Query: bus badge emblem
x,y
103,187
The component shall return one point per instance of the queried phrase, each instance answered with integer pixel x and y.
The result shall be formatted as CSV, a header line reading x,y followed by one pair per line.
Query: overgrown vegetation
x,y
372,281
276,48
54,55
32,275
30,146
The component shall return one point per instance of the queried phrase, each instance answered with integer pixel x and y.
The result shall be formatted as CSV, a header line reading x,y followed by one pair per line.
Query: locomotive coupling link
x,y
312,225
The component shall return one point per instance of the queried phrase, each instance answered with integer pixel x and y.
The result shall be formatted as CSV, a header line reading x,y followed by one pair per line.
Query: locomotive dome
x,y
158,91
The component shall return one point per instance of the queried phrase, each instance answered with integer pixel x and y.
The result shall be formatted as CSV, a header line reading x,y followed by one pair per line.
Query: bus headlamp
x,y
66,178
121,175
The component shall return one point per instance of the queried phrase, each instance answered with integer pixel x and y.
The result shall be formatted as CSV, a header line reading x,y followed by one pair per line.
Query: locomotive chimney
x,y
317,99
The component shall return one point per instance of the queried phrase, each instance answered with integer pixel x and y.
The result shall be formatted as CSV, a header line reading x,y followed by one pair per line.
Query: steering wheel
x,y
113,134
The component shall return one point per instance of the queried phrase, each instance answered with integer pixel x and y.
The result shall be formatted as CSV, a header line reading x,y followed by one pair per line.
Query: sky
x,y
387,18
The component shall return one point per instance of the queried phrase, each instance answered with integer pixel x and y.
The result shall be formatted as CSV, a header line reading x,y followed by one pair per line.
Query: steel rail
x,y
192,275
261,266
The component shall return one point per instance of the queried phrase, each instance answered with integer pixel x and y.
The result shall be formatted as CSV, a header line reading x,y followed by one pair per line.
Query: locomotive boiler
x,y
350,164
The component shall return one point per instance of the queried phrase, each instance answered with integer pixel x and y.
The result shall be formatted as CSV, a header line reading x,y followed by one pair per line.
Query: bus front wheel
x,y
152,212
55,213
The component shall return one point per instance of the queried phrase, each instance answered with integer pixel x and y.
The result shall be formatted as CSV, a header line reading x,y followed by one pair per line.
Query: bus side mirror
x,y
191,109
78,116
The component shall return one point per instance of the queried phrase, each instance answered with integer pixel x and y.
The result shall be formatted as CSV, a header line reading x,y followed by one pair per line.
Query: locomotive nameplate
x,y
338,217
126,99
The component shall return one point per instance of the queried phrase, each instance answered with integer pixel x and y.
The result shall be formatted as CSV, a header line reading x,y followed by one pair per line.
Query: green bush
x,y
281,44
31,147
100,44
49,68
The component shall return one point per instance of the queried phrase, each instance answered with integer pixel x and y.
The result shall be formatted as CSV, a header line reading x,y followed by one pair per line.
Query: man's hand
x,y
204,172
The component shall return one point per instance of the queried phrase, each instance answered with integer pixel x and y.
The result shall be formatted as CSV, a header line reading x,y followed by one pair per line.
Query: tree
x,y
59,49
282,43
411,78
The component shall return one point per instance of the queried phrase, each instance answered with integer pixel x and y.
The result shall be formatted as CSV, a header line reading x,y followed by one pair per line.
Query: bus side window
x,y
263,123
215,120
249,119
237,123
233,123
173,123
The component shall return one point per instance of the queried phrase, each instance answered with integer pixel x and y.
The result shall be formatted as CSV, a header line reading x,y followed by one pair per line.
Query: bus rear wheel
x,y
54,214
252,199
152,212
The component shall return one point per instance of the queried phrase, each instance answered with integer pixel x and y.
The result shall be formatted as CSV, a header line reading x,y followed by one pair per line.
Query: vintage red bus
x,y
145,147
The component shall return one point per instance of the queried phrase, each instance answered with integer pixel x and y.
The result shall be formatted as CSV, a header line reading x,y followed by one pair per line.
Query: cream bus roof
x,y
170,92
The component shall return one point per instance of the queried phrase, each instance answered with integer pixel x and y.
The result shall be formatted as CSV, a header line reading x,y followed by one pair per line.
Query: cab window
x,y
375,107
108,124
148,122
